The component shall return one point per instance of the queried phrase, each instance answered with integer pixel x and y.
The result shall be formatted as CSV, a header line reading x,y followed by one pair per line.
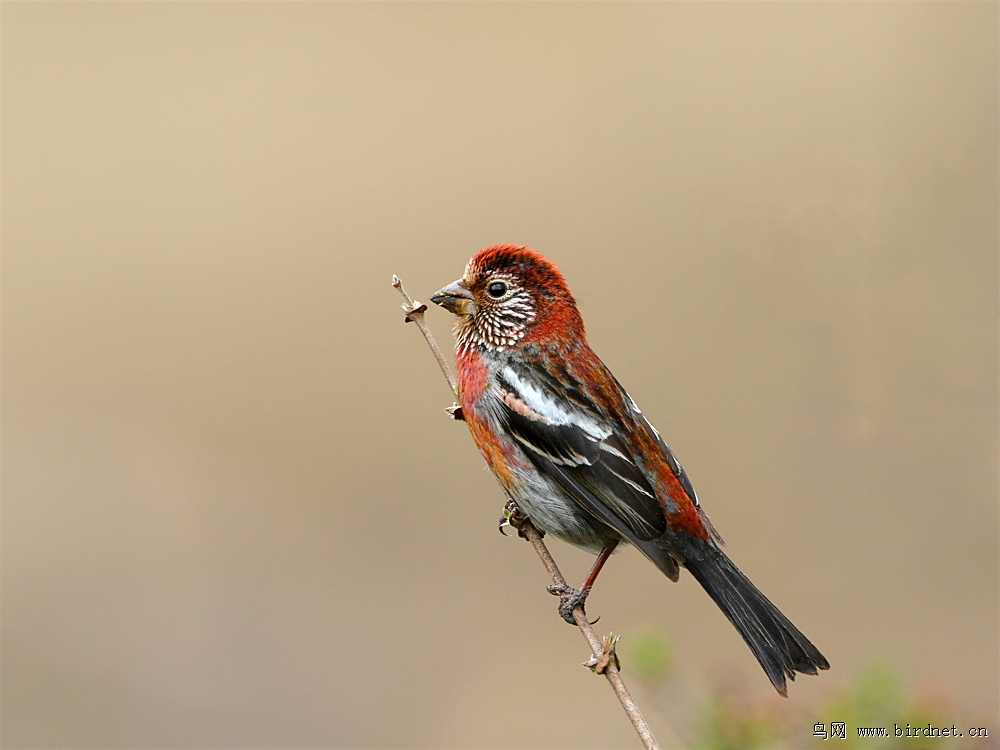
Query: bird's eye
x,y
497,289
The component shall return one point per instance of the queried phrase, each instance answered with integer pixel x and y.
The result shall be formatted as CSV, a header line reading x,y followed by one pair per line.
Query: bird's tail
x,y
778,645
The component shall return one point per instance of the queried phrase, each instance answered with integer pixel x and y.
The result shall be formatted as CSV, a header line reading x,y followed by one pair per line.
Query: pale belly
x,y
551,511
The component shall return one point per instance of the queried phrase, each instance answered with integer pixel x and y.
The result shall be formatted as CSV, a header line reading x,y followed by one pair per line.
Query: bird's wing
x,y
675,467
581,452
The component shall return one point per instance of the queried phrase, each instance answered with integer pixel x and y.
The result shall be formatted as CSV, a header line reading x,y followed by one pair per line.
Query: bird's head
x,y
511,294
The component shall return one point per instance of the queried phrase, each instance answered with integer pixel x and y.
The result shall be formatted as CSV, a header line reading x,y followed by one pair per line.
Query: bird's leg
x,y
570,598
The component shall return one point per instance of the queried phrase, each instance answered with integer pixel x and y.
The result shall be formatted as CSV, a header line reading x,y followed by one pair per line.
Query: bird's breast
x,y
476,398
473,377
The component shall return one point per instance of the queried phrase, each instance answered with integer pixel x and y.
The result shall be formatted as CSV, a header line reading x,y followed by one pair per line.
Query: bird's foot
x,y
515,518
569,599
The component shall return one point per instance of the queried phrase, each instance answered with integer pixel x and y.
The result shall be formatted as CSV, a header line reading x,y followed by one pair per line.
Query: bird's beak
x,y
455,298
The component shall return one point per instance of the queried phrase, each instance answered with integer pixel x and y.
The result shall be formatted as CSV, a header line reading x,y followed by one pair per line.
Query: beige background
x,y
234,513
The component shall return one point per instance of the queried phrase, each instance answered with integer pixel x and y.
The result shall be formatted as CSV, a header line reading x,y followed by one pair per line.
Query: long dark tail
x,y
778,645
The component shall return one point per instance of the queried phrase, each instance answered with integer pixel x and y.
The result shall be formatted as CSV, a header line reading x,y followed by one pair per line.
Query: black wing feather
x,y
663,550
599,465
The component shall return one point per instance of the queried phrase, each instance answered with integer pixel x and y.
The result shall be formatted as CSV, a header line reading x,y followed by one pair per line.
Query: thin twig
x,y
602,664
611,671
415,314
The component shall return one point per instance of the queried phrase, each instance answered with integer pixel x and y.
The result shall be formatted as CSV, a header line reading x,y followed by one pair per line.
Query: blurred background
x,y
234,511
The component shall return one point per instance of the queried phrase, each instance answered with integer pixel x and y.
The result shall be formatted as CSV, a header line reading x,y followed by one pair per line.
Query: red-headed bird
x,y
576,455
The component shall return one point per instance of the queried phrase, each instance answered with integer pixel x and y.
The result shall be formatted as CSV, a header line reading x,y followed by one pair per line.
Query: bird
x,y
575,454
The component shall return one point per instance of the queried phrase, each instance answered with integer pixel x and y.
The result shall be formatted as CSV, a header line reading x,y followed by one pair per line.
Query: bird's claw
x,y
569,599
608,656
515,518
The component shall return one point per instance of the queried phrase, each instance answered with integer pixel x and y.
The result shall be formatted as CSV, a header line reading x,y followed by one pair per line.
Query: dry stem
x,y
415,314
606,666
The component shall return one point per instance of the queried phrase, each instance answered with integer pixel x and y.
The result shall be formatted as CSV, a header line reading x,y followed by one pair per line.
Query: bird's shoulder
x,y
560,382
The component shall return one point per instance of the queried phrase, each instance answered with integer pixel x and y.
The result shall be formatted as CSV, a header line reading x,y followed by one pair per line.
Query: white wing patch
x,y
550,410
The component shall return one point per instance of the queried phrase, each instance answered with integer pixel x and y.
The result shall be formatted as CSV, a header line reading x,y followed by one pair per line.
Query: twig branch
x,y
415,314
605,661
599,648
